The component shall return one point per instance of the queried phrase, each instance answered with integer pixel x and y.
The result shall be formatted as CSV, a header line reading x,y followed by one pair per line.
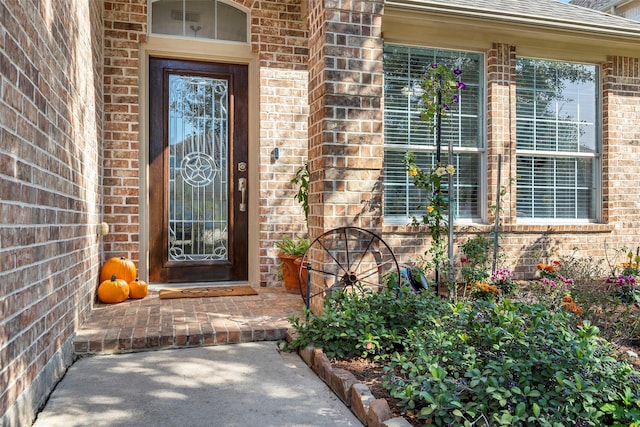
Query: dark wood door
x,y
198,170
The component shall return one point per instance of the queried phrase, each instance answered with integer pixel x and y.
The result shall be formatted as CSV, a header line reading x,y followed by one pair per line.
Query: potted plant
x,y
290,251
302,181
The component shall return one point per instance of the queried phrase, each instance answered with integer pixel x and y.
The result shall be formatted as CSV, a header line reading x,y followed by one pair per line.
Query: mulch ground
x,y
370,373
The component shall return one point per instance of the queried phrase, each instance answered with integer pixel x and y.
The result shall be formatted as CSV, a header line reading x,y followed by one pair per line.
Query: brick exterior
x,y
125,28
279,34
70,149
522,246
501,129
346,118
346,73
50,196
621,112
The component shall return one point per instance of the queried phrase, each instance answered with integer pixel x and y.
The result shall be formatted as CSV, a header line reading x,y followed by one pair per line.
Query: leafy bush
x,y
472,362
475,262
511,364
625,287
363,322
502,278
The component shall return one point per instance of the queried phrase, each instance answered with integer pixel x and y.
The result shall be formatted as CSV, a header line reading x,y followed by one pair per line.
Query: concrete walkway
x,y
248,384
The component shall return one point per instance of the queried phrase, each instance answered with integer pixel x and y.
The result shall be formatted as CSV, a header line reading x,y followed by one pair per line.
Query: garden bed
x,y
370,373
497,359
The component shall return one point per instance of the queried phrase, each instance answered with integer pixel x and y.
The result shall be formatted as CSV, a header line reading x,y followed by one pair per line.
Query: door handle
x,y
242,188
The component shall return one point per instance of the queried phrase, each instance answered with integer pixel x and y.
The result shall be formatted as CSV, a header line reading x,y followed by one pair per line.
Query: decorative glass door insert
x,y
198,168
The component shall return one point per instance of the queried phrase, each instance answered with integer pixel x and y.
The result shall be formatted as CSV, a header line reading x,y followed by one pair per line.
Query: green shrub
x,y
510,364
364,323
479,362
475,262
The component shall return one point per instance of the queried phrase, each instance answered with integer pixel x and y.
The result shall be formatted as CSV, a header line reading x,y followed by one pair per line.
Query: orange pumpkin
x,y
123,268
113,291
138,289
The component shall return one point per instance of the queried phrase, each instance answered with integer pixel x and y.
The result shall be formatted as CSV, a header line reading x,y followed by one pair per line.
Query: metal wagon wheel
x,y
347,259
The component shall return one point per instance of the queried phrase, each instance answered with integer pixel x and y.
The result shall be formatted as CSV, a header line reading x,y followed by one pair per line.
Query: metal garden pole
x,y
451,197
497,225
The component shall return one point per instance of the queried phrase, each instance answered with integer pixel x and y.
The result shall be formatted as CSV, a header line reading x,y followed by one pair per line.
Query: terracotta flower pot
x,y
290,272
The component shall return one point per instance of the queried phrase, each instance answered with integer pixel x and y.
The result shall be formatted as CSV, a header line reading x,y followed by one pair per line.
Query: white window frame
x,y
184,24
595,157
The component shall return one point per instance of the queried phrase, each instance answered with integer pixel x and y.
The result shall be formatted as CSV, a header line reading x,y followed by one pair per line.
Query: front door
x,y
198,225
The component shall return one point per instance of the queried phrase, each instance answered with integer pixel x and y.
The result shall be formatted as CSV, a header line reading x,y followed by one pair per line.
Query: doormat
x,y
214,291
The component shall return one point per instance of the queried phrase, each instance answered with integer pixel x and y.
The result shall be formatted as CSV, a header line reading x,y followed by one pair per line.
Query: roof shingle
x,y
543,12
591,4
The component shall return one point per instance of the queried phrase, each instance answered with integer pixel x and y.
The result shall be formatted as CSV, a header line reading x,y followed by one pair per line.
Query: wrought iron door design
x,y
198,168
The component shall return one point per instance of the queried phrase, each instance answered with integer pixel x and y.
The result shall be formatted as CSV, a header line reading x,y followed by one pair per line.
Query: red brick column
x,y
346,115
620,149
501,129
125,28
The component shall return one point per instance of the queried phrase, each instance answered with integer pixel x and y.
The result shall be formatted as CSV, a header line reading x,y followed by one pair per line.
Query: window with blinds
x,y
404,68
558,150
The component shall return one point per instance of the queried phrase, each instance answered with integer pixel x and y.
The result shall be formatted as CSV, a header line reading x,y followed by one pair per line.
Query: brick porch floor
x,y
152,323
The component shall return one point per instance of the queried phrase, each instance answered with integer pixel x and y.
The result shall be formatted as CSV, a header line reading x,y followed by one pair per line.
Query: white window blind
x,y
405,67
558,152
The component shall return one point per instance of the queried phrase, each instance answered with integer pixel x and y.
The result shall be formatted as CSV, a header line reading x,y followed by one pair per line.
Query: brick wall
x,y
346,116
501,130
346,143
279,35
279,38
50,167
523,246
621,110
125,28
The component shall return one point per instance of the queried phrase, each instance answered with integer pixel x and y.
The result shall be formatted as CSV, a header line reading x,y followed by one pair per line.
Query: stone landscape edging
x,y
355,395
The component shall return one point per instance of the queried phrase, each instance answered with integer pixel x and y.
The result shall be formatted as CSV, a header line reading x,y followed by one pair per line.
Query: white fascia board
x,y
491,15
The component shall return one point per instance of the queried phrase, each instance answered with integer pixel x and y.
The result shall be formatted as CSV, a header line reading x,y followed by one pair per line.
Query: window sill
x,y
516,229
559,228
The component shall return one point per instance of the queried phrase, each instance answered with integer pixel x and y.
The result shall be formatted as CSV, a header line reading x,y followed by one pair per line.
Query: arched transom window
x,y
207,19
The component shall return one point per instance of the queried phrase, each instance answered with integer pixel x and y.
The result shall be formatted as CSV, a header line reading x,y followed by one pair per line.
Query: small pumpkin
x,y
138,289
123,268
113,291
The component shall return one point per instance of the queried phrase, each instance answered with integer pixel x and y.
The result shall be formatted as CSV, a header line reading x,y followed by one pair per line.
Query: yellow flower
x,y
485,287
429,208
440,171
451,170
413,172
573,307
